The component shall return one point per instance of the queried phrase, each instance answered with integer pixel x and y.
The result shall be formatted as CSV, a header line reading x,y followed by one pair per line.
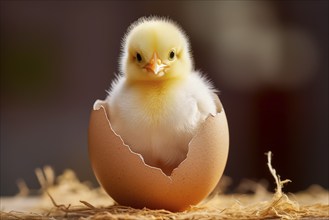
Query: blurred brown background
x,y
268,59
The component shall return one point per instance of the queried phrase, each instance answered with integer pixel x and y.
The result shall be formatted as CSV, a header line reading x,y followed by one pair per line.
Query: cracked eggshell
x,y
129,181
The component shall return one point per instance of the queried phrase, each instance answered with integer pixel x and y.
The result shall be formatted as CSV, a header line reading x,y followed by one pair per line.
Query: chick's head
x,y
155,49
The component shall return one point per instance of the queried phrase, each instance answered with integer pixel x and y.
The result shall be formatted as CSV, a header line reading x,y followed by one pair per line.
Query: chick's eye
x,y
171,55
138,57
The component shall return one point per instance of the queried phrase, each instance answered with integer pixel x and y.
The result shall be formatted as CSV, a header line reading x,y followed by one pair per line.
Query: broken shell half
x,y
129,181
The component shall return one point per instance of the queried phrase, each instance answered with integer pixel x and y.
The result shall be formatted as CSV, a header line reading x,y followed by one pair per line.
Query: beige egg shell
x,y
129,181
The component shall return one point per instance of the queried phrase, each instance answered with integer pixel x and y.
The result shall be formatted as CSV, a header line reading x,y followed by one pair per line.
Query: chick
x,y
158,101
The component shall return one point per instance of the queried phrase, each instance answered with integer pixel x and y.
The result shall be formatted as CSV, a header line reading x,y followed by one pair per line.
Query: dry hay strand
x,y
313,203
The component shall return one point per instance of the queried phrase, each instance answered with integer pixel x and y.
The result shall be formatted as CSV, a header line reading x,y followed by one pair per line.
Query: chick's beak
x,y
155,65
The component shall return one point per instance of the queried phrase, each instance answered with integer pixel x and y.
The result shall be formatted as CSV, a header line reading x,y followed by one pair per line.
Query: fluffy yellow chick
x,y
158,101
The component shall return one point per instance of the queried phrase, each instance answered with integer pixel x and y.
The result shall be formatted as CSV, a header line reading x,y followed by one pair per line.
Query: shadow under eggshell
x,y
129,181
